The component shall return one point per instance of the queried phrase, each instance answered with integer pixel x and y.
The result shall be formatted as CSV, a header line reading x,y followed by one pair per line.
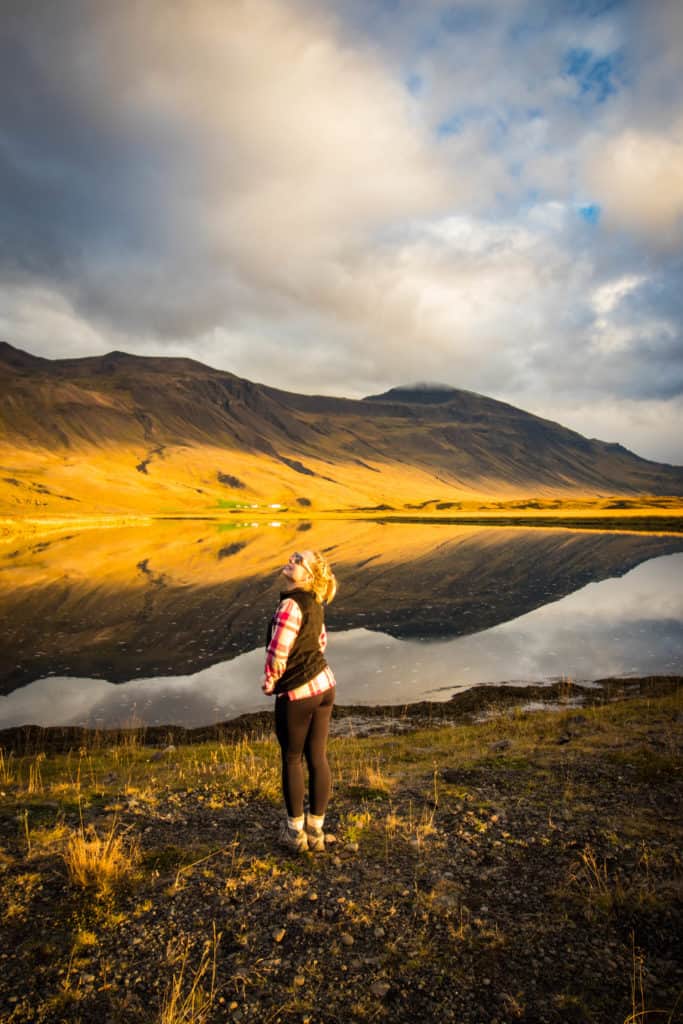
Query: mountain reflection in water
x,y
190,602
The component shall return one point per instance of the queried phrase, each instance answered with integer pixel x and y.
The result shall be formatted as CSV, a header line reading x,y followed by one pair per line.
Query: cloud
x,y
638,178
27,309
212,152
634,162
339,198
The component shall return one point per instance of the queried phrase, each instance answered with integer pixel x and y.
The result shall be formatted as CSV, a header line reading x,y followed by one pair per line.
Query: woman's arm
x,y
286,626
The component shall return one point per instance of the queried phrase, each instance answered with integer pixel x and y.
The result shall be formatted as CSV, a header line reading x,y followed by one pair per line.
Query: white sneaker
x,y
292,839
316,839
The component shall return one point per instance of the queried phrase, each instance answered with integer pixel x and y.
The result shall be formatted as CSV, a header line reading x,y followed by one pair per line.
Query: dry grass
x,y
100,862
8,774
191,994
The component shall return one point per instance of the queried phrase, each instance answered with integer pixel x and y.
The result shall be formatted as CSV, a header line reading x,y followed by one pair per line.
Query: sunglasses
x,y
299,559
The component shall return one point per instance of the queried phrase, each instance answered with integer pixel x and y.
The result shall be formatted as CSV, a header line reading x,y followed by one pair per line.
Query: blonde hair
x,y
323,580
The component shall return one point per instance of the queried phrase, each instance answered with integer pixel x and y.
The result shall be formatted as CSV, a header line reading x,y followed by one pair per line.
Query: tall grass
x,y
35,775
7,770
190,996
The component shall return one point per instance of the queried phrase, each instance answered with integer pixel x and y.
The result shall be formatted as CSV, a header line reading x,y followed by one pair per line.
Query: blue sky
x,y
339,198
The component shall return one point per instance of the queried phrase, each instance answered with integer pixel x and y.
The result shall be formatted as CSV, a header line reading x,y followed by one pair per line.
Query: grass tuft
x,y
100,862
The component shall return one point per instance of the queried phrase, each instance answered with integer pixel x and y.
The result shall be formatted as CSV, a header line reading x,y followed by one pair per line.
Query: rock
x,y
352,847
279,934
379,933
501,745
380,989
299,980
346,939
160,753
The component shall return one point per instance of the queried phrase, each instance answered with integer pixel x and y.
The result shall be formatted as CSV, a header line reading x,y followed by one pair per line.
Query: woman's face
x,y
298,569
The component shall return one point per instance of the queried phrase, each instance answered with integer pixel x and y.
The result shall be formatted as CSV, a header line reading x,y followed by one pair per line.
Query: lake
x,y
165,624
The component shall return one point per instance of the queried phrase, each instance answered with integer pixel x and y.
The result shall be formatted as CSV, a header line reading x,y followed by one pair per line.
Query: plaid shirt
x,y
287,624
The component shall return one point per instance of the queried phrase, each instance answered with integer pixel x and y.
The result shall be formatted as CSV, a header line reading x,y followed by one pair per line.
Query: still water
x,y
165,624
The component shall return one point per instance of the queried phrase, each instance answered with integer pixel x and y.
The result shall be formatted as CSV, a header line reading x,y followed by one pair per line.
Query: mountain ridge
x,y
172,430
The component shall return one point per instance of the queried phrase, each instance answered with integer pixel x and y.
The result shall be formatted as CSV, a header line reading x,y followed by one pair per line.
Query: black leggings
x,y
301,727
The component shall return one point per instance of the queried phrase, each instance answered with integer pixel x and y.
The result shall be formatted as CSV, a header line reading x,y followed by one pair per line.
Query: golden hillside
x,y
123,434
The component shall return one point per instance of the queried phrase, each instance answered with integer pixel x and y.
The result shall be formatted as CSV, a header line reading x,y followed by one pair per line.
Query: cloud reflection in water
x,y
627,626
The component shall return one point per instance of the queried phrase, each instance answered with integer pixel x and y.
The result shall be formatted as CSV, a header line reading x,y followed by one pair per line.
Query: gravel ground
x,y
537,881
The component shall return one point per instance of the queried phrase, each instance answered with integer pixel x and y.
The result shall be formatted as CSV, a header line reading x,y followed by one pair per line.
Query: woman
x,y
297,673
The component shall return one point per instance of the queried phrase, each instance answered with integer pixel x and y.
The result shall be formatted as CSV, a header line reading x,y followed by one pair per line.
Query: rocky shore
x,y
487,863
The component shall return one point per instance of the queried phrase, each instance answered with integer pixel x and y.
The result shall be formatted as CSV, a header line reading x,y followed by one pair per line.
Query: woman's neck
x,y
291,585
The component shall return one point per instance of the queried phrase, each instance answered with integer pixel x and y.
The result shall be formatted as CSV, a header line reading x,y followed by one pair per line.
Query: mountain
x,y
122,433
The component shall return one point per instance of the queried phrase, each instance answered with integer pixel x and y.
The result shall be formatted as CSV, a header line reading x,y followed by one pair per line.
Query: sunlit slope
x,y
121,433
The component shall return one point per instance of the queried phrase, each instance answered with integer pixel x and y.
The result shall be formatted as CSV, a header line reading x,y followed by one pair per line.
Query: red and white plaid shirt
x,y
286,626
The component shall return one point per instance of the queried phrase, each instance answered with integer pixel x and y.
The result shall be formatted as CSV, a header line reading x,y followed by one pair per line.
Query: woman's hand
x,y
274,669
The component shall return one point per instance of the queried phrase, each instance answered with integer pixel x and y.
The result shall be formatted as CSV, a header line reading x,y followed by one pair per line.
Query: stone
x,y
279,934
346,939
157,756
380,989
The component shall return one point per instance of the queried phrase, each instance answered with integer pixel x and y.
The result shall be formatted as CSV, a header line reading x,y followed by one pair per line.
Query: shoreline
x,y
665,517
466,707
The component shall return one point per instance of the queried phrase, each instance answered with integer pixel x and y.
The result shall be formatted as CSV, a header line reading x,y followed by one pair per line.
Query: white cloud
x,y
42,321
638,178
610,294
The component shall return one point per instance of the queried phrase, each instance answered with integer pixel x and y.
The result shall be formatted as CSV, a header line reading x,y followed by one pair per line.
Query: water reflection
x,y
122,609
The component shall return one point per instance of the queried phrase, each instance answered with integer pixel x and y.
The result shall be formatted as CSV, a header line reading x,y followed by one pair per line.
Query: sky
x,y
339,198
